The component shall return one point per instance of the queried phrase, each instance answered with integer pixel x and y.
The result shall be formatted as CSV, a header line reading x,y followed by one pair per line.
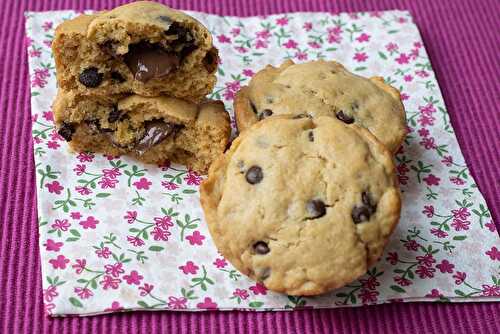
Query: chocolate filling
x,y
155,132
148,61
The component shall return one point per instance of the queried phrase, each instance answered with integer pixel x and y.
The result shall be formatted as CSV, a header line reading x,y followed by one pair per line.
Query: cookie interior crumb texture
x,y
152,129
302,205
143,48
323,88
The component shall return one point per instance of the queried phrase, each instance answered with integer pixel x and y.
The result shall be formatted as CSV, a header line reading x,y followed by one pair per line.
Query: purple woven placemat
x,y
463,43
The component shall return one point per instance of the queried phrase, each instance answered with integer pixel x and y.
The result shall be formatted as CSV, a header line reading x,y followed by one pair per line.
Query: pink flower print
x,y
164,222
28,41
83,293
447,160
337,30
110,282
423,132
392,257
114,269
461,213
207,304
360,56
160,234
37,81
47,308
169,185
228,95
426,260
439,233
403,179
54,187
418,45
80,265
427,109
333,38
42,73
375,14
402,20
290,44
370,283
233,85
494,253
177,303
241,49
408,78
196,238
143,183
261,44
61,224
103,252
37,140
414,53
434,294
79,169
51,245
404,96
112,173
189,268
363,38
402,59
48,116
432,180
85,157
50,293
402,169
83,190
307,26
90,222
282,21
459,277
368,296
391,47
265,34
220,263
131,216
460,225
402,281
60,262
428,143
146,289
135,241
422,73
425,272
491,290
258,289
445,267
428,211
53,145
235,31
192,178
47,42
241,293
456,180
314,45
248,72
115,306
106,183
411,245
47,26
491,226
301,55
133,278
223,39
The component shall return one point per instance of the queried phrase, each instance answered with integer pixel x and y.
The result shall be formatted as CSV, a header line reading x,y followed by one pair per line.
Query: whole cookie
x,y
323,88
303,205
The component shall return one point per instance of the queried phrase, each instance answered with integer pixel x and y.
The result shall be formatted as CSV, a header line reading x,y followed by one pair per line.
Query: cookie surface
x,y
323,88
151,129
142,48
303,205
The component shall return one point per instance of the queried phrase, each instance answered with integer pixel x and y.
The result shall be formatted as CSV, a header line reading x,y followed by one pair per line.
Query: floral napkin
x,y
116,234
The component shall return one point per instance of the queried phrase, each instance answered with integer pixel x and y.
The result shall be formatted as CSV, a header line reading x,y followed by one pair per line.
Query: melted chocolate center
x,y
148,61
156,132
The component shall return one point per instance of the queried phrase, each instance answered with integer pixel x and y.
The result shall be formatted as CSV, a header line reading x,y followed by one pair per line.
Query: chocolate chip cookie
x,y
303,205
143,48
152,129
323,88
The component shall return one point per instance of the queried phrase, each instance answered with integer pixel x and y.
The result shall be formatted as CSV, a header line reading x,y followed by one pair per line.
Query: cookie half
x,y
151,129
143,48
302,205
323,88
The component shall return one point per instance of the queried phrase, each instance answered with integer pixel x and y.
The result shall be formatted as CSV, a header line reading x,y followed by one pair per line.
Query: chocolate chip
x,y
95,126
110,47
300,116
344,118
114,114
117,77
254,108
260,247
362,213
165,19
148,61
66,131
184,43
211,59
155,132
264,114
90,77
254,175
316,208
310,135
